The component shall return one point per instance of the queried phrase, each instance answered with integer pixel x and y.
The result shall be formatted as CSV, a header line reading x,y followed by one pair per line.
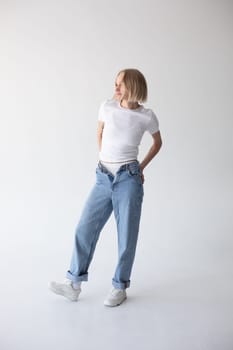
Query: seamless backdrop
x,y
58,62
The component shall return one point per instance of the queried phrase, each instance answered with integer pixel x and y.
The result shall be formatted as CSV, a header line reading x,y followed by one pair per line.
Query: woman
x,y
122,122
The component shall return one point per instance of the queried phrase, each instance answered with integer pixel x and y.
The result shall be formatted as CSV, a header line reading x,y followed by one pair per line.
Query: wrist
x,y
142,166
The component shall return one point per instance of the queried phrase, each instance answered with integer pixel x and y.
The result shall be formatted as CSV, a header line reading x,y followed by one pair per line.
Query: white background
x,y
58,62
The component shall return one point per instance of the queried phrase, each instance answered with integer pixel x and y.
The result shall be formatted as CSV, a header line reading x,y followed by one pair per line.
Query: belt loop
x,y
100,166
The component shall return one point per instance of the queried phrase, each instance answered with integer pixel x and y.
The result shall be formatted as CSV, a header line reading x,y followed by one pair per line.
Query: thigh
x,y
98,205
128,197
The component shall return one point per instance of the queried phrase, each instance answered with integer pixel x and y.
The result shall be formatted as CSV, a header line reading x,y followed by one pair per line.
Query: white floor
x,y
178,311
180,298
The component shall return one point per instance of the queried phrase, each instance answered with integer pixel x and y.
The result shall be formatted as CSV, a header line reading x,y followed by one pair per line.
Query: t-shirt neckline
x,y
128,109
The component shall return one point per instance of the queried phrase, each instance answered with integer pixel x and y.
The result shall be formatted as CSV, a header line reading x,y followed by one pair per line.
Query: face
x,y
120,89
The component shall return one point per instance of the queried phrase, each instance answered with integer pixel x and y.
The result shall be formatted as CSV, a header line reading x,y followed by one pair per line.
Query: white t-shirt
x,y
123,130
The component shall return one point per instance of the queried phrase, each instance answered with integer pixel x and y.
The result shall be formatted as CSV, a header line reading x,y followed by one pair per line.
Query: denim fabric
x,y
122,194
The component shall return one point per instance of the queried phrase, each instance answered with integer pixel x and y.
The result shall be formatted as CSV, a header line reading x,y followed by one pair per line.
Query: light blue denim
x,y
122,194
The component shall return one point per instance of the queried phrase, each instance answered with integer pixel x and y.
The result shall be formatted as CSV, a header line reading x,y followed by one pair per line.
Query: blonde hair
x,y
135,84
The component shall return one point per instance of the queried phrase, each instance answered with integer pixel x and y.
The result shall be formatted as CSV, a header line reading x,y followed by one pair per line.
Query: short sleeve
x,y
101,113
153,125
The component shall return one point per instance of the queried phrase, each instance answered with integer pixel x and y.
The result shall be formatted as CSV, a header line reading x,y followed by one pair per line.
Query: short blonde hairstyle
x,y
135,84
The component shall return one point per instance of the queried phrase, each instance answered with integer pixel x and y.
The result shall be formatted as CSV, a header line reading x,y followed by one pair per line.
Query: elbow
x,y
157,145
160,142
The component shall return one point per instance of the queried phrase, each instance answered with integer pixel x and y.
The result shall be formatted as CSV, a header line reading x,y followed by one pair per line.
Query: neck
x,y
128,104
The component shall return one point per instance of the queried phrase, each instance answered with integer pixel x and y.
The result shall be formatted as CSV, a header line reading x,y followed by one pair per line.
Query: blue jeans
x,y
122,194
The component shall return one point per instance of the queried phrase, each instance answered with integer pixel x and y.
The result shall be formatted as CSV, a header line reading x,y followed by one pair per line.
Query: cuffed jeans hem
x,y
120,285
80,278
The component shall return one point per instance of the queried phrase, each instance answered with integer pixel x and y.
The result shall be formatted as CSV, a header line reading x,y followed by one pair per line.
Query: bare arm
x,y
157,143
100,129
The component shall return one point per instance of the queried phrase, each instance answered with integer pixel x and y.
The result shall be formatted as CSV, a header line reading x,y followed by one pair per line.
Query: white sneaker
x,y
115,297
65,289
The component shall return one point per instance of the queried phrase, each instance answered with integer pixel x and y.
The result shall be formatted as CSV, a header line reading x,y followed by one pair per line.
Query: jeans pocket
x,y
136,174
